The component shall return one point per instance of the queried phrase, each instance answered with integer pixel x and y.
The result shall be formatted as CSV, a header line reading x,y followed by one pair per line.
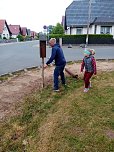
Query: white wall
x,y
5,32
113,31
91,30
84,30
73,31
14,36
68,31
98,29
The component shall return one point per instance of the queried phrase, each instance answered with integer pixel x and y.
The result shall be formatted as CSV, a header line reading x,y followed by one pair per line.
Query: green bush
x,y
20,37
79,39
101,39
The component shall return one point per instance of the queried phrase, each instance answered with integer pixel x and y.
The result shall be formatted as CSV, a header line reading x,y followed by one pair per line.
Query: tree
x,y
58,29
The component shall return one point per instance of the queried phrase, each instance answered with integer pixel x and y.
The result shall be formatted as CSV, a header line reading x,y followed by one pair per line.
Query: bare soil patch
x,y
16,88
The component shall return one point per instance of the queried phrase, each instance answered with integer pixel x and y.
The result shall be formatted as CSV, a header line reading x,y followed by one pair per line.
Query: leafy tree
x,y
58,29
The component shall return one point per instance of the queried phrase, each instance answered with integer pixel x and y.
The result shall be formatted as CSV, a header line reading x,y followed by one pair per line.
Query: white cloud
x,y
33,14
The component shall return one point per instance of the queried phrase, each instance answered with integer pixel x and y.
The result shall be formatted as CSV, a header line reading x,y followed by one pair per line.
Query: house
x,y
15,30
33,34
101,17
29,32
24,31
5,32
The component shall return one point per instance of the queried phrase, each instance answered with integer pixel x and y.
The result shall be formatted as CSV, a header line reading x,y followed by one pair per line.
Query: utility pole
x,y
88,24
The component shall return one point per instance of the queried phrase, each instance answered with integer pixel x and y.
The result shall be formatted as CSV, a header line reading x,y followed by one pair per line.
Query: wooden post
x,y
42,42
43,72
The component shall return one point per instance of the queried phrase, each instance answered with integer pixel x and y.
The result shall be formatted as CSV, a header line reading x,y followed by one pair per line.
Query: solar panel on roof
x,y
77,12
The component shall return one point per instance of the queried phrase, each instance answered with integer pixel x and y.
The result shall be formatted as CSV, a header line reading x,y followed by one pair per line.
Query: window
x,y
106,29
5,28
78,30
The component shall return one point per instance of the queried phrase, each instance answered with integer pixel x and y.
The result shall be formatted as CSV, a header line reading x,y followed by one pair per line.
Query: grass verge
x,y
67,121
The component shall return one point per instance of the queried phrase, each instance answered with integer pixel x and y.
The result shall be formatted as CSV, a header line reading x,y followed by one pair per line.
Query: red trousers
x,y
87,76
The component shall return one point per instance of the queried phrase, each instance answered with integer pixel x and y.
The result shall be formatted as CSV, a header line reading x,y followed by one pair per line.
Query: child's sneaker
x,y
86,89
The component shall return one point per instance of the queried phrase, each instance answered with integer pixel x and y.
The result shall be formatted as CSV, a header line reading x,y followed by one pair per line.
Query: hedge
x,y
81,39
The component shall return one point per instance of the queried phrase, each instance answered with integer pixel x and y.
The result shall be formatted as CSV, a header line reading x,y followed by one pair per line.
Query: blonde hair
x,y
92,51
52,40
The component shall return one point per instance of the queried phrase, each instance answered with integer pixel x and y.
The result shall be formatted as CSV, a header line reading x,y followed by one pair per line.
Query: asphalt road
x,y
20,55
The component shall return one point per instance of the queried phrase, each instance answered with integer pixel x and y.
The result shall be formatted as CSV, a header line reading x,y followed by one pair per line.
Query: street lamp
x,y
47,34
88,24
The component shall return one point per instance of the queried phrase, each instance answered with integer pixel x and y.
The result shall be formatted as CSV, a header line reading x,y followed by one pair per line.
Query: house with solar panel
x,y
101,19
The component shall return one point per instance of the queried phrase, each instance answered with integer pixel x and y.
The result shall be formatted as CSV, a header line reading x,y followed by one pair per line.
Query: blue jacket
x,y
57,55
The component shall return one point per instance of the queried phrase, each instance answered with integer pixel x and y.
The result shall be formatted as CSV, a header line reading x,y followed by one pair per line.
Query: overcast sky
x,y
33,14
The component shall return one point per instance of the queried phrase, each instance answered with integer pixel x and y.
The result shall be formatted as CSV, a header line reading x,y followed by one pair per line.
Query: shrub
x,y
79,39
20,37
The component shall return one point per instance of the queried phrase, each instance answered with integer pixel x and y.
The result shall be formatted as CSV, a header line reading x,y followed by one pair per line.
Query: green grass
x,y
67,121
3,78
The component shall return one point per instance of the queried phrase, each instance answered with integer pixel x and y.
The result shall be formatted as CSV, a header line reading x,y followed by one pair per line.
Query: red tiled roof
x,y
2,22
15,29
24,31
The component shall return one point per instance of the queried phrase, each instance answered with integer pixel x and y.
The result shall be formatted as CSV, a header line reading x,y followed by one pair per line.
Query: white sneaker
x,y
86,89
56,90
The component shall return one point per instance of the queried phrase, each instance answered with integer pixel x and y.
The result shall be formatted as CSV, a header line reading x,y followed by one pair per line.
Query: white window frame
x,y
81,30
106,30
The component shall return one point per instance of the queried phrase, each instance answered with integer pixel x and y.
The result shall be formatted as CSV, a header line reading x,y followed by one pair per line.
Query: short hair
x,y
53,40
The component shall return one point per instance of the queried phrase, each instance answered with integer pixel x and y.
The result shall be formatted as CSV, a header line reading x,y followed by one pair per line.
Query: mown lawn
x,y
68,121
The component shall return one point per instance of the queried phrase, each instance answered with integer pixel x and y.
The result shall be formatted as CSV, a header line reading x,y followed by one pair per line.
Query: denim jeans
x,y
59,71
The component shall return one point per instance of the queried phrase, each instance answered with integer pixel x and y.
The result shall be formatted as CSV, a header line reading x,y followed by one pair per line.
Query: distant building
x,y
101,20
33,34
5,32
24,31
29,32
15,30
63,21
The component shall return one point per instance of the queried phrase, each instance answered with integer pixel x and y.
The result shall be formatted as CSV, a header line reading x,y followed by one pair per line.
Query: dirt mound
x,y
16,88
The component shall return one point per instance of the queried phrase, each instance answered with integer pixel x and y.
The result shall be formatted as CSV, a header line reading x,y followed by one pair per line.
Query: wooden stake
x,y
43,72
